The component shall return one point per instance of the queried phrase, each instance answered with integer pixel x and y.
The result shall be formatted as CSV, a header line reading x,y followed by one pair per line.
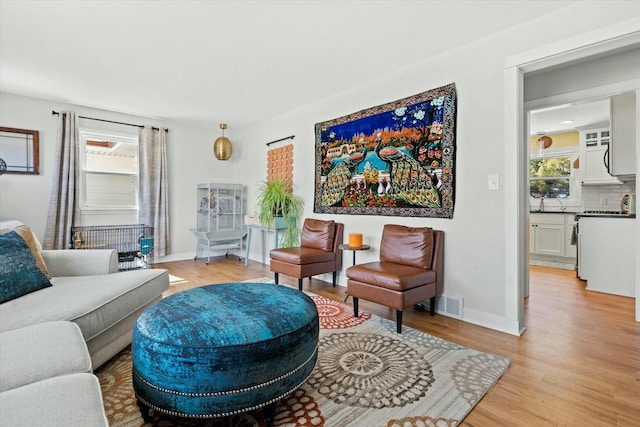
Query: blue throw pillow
x,y
19,272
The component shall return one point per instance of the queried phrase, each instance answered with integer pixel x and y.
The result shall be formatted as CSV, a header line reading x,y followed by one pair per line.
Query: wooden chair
x,y
410,270
319,252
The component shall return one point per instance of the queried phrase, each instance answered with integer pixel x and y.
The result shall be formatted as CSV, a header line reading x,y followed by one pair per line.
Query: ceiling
x,y
550,120
239,62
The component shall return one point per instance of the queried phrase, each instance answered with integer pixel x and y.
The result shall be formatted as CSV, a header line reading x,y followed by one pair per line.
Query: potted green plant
x,y
278,206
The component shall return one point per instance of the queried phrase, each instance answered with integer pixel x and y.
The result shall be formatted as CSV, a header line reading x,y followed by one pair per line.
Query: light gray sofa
x,y
88,290
46,378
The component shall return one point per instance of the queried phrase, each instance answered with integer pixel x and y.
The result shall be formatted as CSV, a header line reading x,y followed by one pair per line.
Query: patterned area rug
x,y
366,375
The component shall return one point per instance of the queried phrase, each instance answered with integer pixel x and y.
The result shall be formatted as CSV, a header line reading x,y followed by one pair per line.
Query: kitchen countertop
x,y
584,214
554,212
591,215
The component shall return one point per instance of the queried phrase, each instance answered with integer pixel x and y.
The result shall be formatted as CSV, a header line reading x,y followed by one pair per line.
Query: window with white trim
x,y
552,175
109,170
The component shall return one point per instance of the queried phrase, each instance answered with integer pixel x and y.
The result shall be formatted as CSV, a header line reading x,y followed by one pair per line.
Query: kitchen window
x,y
551,175
109,171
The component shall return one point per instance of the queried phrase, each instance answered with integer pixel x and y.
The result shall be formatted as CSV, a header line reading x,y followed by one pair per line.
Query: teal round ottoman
x,y
221,350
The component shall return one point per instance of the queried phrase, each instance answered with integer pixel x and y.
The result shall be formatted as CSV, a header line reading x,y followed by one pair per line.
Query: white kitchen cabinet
x,y
607,254
547,234
550,237
623,133
594,156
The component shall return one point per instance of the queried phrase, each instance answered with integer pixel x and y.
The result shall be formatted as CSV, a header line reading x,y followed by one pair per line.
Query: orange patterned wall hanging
x,y
280,164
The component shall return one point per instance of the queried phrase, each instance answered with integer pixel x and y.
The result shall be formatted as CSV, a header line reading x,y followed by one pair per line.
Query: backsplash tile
x,y
593,195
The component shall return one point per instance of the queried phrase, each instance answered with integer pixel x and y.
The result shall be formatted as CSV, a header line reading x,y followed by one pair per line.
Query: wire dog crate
x,y
134,243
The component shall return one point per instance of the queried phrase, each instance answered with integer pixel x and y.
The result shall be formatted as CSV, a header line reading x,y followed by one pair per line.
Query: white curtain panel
x,y
63,202
153,196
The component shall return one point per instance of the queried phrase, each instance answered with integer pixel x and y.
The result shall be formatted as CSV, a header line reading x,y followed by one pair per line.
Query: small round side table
x,y
346,247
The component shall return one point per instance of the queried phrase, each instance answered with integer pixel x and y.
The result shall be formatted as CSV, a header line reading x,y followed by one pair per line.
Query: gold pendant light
x,y
222,147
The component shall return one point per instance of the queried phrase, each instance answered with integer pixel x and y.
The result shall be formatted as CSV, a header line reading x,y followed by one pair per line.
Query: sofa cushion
x,y
19,272
31,241
68,400
95,303
318,234
41,351
407,245
90,262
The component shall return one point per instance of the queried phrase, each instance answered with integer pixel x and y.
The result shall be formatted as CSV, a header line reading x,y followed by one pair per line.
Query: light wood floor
x,y
577,364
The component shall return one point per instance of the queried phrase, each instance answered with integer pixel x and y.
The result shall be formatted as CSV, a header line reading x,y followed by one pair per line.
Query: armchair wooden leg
x,y
300,284
399,321
276,277
335,276
432,305
355,307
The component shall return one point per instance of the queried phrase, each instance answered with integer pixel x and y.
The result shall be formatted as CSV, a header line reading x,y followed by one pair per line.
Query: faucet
x,y
562,208
541,207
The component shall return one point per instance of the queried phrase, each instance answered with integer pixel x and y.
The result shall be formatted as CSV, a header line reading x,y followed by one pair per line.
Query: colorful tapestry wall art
x,y
396,159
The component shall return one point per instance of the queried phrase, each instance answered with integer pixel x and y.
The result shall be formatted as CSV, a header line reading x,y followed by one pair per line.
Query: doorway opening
x,y
531,87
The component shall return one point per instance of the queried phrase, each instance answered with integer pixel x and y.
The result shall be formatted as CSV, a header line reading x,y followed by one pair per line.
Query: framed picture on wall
x,y
19,150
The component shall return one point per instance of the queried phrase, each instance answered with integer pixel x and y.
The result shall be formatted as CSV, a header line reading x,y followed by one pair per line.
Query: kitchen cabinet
x,y
622,151
607,254
550,237
594,156
547,234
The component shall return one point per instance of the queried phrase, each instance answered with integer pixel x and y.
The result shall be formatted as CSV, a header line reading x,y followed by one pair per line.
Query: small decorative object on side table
x,y
355,240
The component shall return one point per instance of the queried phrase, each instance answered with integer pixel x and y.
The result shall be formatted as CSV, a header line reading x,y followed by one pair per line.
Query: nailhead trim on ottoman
x,y
220,350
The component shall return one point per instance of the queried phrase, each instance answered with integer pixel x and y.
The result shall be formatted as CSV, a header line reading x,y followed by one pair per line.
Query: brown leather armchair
x,y
319,252
410,270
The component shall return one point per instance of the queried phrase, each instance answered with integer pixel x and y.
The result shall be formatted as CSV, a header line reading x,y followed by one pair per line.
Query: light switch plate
x,y
494,182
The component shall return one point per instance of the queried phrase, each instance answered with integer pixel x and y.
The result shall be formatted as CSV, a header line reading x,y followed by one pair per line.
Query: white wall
x,y
475,237
191,161
609,70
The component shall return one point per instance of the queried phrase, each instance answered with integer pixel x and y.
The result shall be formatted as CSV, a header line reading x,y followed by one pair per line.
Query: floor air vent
x,y
447,305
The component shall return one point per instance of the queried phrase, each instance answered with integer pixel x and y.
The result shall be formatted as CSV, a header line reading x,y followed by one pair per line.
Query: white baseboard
x,y
182,256
174,257
491,321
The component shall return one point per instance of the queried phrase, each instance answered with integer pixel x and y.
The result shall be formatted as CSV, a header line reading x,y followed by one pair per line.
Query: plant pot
x,y
278,222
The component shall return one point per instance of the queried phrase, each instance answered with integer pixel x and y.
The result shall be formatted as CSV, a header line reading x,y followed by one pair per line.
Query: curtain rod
x,y
55,113
281,139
